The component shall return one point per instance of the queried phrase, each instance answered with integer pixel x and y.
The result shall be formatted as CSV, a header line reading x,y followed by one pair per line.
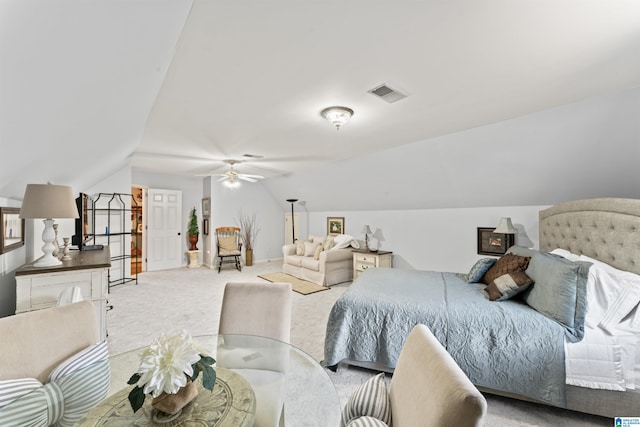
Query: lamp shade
x,y
505,227
366,230
48,201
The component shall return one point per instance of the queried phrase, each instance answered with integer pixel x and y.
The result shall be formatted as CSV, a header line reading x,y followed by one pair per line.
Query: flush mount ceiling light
x,y
337,116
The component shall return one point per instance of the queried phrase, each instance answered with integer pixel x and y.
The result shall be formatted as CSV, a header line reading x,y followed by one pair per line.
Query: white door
x,y
164,229
288,230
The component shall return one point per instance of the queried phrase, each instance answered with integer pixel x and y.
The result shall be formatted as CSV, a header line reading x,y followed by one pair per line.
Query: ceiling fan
x,y
231,177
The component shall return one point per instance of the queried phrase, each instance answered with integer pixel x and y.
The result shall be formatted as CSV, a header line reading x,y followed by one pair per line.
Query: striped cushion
x,y
371,399
367,422
74,387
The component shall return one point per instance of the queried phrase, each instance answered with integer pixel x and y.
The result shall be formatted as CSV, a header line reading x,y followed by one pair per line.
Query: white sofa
x,y
333,266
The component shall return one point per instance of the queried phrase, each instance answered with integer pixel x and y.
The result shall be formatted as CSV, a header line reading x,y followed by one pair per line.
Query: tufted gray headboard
x,y
605,229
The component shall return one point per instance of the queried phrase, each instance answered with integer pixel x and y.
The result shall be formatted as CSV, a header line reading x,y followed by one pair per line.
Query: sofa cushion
x,y
310,248
316,239
294,260
316,254
300,247
310,263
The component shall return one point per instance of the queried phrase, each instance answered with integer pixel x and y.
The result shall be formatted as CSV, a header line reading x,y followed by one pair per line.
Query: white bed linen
x,y
608,357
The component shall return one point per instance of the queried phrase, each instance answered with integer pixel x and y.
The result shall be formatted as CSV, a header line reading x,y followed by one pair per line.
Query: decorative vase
x,y
173,403
193,240
65,249
248,257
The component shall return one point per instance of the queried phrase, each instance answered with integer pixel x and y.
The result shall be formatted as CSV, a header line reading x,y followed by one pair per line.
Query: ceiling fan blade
x,y
223,178
246,178
252,176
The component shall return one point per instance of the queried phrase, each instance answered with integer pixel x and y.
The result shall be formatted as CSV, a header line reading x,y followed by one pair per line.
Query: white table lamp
x,y
366,231
48,201
505,226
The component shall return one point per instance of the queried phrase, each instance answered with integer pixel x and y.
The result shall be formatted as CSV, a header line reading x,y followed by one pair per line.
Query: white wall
x,y
430,239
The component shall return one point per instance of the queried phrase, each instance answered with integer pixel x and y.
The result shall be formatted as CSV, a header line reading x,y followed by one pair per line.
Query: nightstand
x,y
363,259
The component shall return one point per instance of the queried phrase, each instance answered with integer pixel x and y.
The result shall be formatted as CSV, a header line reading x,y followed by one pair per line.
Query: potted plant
x,y
193,230
248,232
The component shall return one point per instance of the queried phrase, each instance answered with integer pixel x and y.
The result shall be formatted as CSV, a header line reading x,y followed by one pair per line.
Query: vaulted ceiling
x,y
178,86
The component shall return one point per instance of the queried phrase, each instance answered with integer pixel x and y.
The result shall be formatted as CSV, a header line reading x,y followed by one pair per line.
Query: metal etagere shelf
x,y
111,219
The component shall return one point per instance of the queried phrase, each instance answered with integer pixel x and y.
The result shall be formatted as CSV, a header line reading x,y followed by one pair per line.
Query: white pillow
x,y
611,295
565,254
342,241
316,239
310,248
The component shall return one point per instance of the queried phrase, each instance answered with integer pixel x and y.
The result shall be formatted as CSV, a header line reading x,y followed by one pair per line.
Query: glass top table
x,y
303,395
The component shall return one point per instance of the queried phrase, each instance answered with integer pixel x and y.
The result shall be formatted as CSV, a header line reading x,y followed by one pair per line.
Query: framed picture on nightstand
x,y
490,243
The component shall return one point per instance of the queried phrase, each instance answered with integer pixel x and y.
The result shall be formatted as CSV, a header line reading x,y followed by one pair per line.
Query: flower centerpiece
x,y
168,369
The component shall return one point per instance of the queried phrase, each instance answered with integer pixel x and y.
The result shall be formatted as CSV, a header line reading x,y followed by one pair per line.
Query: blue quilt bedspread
x,y
502,345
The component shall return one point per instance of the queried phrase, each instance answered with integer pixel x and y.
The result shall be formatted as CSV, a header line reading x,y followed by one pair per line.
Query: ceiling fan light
x,y
231,182
337,116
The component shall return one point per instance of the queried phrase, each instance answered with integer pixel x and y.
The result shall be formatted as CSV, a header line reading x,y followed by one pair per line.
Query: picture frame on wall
x,y
205,226
335,225
206,207
11,229
490,243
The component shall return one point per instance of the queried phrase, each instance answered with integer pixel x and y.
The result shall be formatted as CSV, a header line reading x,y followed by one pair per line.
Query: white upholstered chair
x,y
257,308
428,388
35,346
262,309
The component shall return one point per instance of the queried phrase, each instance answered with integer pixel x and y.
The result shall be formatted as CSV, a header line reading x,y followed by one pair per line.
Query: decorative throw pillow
x,y
560,291
479,269
367,422
228,243
319,249
300,248
371,399
508,285
310,248
327,244
506,264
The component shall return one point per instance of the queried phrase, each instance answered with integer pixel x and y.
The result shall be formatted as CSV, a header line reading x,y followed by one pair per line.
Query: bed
x,y
526,347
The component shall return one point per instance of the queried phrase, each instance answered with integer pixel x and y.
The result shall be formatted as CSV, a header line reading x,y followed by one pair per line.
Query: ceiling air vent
x,y
253,156
387,93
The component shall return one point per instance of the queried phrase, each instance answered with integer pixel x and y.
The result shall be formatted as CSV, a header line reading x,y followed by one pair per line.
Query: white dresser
x,y
38,288
363,259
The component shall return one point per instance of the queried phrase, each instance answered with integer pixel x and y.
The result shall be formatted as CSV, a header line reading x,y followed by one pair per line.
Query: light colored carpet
x,y
190,298
298,285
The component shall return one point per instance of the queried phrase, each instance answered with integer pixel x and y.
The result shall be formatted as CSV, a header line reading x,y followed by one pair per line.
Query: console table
x,y
38,288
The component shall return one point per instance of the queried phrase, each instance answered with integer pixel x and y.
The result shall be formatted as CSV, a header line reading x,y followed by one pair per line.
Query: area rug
x,y
300,286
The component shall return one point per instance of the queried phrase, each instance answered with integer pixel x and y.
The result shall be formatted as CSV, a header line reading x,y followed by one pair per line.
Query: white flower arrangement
x,y
166,365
